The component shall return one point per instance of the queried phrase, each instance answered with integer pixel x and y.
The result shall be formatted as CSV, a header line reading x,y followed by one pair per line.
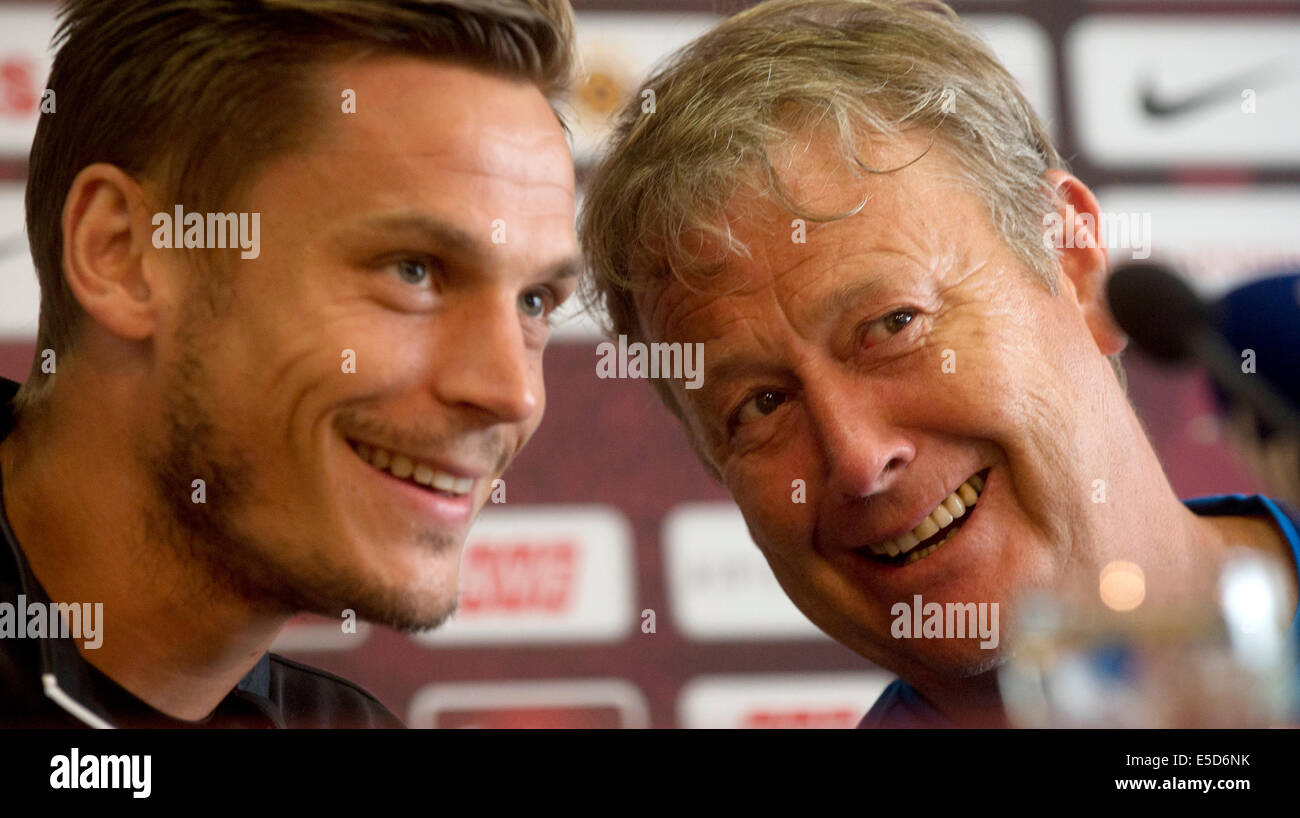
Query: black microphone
x,y
1167,321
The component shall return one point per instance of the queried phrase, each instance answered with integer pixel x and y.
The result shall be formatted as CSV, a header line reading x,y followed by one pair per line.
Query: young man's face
x,y
410,258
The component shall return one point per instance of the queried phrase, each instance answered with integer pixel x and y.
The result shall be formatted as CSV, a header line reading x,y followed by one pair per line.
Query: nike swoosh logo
x,y
1161,108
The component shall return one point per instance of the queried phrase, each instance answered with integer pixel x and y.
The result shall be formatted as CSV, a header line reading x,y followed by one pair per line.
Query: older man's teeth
x,y
941,516
953,507
928,527
404,468
927,551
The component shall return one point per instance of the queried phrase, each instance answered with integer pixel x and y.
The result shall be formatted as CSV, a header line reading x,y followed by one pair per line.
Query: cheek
x,y
352,347
1001,365
776,506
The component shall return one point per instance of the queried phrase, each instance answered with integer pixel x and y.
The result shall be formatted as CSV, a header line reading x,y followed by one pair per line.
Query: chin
x,y
962,663
404,608
408,586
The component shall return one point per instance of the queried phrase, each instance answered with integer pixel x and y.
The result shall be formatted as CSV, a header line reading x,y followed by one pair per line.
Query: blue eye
x,y
533,303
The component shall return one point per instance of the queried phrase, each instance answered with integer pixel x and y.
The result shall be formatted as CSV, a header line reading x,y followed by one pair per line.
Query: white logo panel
x,y
1160,91
719,585
21,306
1217,237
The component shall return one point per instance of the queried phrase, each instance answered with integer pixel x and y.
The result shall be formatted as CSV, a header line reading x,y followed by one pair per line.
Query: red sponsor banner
x,y
543,574
532,718
777,719
519,577
20,85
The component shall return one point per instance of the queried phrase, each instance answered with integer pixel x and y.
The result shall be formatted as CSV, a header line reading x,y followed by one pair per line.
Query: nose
x,y
863,451
484,361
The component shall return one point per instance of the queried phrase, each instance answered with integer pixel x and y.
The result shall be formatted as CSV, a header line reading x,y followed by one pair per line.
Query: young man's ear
x,y
105,223
1085,264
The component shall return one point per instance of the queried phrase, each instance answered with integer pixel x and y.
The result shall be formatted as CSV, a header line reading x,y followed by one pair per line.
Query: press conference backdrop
x,y
617,586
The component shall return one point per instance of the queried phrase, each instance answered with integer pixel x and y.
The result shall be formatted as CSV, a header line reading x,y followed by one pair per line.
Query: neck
x,y
81,505
975,702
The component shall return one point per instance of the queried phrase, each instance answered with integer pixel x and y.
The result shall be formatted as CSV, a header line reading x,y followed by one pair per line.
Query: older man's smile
x,y
939,525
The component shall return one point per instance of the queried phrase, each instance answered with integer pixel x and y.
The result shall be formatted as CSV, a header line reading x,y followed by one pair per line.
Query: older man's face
x,y
884,362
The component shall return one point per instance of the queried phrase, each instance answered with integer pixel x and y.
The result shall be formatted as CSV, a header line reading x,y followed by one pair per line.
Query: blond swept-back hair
x,y
199,94
854,70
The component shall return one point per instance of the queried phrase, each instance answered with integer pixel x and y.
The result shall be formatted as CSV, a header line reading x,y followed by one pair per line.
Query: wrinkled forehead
x,y
817,223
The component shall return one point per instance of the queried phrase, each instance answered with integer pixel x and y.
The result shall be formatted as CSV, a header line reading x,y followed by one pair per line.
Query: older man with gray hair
x,y
845,202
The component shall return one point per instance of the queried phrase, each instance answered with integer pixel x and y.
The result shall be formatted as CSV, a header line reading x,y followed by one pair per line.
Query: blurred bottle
x,y
1112,657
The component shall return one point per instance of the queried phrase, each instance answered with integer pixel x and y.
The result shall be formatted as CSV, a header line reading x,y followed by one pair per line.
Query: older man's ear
x,y
1085,264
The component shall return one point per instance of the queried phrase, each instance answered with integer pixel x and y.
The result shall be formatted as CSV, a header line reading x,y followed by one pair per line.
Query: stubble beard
x,y
212,537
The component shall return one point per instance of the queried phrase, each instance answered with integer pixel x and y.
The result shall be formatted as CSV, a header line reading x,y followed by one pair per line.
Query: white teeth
x,y
443,481
953,506
404,468
401,466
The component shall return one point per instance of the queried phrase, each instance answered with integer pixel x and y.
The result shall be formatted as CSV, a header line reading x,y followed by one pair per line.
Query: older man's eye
x,y
759,405
888,325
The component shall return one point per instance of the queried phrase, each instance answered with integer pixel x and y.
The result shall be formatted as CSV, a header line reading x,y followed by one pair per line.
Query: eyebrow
x,y
849,292
446,235
453,239
570,267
